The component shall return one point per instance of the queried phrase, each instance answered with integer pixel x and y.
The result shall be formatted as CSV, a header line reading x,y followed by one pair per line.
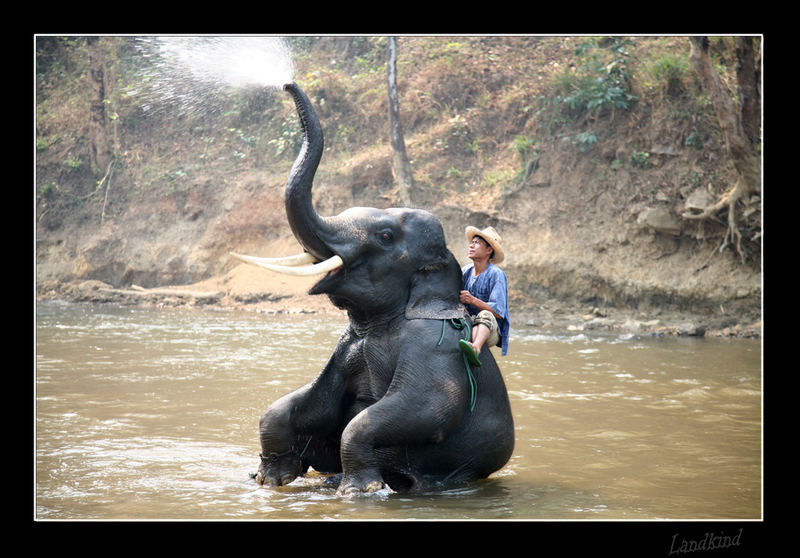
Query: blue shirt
x,y
491,286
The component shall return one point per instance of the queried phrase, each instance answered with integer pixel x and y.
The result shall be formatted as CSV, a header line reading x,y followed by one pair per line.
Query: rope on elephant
x,y
461,324
273,456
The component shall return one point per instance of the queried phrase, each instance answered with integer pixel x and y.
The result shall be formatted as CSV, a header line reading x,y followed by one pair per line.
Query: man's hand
x,y
466,298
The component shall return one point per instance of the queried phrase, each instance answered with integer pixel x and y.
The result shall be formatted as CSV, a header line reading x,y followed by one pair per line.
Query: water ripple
x,y
154,414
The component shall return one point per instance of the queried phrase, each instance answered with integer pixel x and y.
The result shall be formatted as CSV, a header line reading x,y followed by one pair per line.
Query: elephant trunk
x,y
314,233
307,226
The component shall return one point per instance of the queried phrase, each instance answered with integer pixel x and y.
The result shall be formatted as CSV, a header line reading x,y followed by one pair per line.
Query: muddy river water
x,y
153,414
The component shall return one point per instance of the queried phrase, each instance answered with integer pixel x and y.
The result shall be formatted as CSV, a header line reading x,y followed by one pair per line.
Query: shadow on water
x,y
153,414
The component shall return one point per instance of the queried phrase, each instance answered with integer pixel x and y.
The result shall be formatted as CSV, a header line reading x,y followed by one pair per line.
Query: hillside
x,y
588,201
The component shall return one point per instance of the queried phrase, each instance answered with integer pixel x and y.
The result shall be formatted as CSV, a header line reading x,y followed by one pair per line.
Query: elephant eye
x,y
385,237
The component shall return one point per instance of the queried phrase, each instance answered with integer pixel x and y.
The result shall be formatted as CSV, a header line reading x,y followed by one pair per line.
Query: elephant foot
x,y
271,481
278,469
354,487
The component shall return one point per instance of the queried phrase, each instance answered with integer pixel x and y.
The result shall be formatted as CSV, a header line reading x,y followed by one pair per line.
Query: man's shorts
x,y
487,318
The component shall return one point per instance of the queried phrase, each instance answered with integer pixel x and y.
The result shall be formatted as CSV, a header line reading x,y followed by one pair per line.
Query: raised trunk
x,y
308,227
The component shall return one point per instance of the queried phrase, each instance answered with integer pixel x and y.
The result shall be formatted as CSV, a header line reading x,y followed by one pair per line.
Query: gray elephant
x,y
397,404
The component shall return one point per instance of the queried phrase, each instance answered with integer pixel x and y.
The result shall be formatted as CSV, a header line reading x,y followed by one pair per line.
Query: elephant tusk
x,y
299,259
313,269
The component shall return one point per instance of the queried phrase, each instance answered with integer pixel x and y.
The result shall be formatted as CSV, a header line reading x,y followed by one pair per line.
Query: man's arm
x,y
467,298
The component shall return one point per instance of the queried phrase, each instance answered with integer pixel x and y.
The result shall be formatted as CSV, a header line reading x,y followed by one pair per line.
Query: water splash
x,y
193,73
235,61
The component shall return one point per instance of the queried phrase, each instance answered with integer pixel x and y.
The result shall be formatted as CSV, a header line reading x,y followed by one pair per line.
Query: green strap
x,y
459,324
302,453
462,324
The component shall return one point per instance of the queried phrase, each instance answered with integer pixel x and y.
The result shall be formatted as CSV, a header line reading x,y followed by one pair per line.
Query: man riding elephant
x,y
485,294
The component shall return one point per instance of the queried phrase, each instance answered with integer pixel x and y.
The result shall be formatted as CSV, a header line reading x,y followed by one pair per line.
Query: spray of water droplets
x,y
194,74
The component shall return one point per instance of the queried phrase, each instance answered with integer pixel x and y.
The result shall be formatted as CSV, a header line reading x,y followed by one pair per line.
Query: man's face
x,y
479,249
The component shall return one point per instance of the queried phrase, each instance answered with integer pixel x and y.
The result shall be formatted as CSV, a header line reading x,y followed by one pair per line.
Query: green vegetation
x,y
526,147
640,159
584,141
694,140
667,75
603,77
72,163
478,112
598,81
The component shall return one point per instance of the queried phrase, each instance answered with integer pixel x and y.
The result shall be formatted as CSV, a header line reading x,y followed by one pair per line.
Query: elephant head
x,y
377,262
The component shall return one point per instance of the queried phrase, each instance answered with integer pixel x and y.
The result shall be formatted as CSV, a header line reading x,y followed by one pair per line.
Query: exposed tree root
x,y
739,145
733,235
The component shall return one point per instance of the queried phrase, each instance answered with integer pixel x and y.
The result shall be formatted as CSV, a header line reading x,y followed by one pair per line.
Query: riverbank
x,y
249,289
591,205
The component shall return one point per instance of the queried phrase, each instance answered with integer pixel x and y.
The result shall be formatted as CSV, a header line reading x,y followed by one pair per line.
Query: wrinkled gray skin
x,y
392,405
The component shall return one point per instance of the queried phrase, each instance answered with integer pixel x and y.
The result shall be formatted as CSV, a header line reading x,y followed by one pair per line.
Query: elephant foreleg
x,y
370,441
281,459
301,429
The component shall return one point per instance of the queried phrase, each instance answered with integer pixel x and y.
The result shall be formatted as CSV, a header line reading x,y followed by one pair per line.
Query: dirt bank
x,y
583,250
246,288
591,229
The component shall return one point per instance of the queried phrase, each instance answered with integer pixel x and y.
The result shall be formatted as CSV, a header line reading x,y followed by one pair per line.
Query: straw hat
x,y
489,235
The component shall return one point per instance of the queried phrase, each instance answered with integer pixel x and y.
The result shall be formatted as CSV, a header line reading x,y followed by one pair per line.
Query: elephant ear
x,y
436,283
434,292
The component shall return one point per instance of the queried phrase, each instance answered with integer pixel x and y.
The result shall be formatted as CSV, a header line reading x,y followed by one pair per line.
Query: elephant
x,y
397,405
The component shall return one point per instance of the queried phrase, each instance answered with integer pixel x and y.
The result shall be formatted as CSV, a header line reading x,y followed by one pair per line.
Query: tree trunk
x,y
739,146
740,127
100,154
748,74
401,167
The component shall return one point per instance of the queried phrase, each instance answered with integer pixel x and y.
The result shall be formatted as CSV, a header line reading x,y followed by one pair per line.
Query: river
x,y
147,414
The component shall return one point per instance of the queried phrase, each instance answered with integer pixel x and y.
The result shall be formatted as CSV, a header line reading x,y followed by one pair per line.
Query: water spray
x,y
234,61
190,72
